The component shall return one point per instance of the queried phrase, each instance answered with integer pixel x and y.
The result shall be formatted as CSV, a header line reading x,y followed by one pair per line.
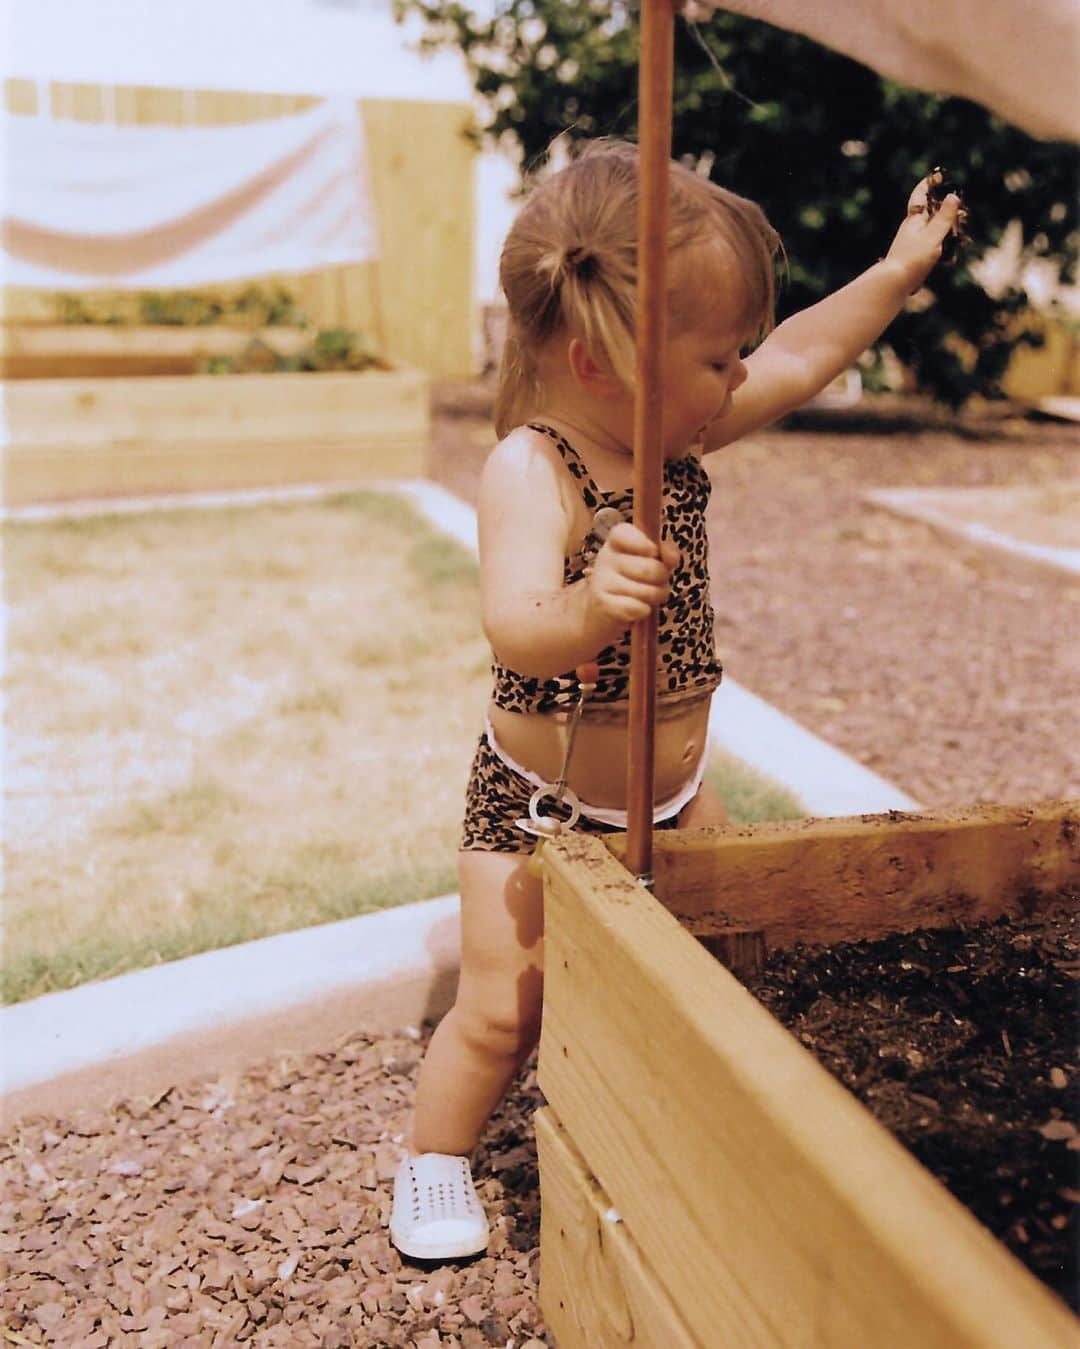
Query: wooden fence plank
x,y
847,879
422,169
596,1288
771,1204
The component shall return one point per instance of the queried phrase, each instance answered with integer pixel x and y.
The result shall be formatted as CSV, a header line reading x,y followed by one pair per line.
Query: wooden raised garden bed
x,y
68,439
90,350
705,1181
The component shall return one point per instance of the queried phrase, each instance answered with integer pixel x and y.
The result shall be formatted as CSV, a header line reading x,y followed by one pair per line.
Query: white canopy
x,y
1020,58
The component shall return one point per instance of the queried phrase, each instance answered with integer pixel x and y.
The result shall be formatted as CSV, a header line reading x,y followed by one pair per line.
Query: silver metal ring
x,y
544,822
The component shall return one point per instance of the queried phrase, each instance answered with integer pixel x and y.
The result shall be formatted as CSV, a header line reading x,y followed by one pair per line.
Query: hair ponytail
x,y
517,393
569,266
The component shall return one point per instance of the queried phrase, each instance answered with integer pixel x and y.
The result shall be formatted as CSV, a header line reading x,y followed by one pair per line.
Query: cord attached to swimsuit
x,y
550,826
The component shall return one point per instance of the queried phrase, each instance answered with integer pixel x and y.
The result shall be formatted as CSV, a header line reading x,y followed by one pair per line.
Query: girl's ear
x,y
594,378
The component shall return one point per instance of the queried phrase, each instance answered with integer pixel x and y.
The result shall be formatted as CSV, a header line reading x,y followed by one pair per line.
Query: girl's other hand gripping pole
x,y
655,76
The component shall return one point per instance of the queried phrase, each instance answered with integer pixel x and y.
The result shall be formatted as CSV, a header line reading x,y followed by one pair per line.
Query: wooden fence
x,y
416,300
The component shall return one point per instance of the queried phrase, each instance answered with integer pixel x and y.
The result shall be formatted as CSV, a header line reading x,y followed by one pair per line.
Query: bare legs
x,y
480,1045
704,809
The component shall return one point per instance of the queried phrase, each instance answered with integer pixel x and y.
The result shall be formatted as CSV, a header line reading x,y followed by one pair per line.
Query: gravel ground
x,y
948,670
253,1209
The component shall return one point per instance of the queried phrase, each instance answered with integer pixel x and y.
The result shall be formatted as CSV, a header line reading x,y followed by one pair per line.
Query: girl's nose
x,y
739,376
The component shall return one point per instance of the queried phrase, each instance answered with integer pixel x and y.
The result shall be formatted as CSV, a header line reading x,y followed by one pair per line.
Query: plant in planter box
x,y
254,306
332,349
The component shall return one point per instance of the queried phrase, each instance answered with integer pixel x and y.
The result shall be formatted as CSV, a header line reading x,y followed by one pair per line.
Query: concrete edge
x,y
824,779
142,1032
906,503
226,499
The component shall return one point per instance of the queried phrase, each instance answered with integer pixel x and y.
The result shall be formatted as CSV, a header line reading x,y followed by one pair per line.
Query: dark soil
x,y
962,1042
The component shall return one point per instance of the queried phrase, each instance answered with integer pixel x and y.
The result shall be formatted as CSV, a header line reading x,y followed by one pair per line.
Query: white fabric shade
x,y
1020,58
97,206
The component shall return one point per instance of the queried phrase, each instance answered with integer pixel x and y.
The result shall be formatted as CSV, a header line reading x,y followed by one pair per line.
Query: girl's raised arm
x,y
807,351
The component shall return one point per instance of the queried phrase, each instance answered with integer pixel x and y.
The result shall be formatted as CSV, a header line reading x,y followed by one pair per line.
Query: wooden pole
x,y
654,135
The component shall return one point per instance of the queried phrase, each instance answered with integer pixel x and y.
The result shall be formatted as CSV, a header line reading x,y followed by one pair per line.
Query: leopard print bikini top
x,y
686,649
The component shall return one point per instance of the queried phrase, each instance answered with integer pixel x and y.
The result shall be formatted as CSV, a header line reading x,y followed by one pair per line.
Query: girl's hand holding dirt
x,y
931,223
630,576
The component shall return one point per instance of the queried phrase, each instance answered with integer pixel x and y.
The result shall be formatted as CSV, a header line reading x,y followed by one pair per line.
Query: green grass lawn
x,y
227,724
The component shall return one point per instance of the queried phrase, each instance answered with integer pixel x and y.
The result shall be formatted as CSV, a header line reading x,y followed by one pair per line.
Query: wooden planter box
x,y
704,1181
68,439
84,351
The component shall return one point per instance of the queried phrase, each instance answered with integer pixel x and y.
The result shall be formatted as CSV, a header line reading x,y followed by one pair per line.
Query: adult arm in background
x,y
1019,58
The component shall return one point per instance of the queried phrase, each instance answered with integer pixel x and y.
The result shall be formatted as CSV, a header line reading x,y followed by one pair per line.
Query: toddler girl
x,y
565,574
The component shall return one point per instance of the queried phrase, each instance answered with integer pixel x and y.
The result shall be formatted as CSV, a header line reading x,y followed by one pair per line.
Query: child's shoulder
x,y
523,485
524,454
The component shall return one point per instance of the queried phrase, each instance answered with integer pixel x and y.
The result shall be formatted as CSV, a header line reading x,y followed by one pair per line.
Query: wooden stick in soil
x,y
655,77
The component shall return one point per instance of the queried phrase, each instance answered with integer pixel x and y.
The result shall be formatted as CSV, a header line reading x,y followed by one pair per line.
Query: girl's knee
x,y
507,1025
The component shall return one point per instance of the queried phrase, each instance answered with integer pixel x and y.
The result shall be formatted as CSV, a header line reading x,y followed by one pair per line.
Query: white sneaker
x,y
436,1214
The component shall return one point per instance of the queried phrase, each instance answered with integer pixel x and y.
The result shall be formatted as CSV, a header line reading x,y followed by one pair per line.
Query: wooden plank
x,y
596,1288
846,879
21,96
65,351
71,439
773,1208
422,171
172,409
35,478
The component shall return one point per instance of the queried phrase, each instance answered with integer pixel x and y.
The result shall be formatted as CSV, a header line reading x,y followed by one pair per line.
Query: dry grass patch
x,y
225,724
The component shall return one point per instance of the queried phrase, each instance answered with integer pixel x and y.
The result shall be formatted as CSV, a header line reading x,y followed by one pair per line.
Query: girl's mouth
x,y
716,415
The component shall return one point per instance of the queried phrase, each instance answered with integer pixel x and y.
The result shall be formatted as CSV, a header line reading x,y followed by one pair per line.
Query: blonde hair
x,y
569,265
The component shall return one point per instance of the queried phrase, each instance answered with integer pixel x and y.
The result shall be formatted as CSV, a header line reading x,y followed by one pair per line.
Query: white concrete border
x,y
142,1031
823,778
185,501
911,504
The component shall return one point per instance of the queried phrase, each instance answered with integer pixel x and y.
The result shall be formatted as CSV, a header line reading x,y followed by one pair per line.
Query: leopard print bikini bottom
x,y
498,794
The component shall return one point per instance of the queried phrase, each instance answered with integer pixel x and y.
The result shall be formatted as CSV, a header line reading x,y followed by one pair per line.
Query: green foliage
x,y
828,149
254,306
330,349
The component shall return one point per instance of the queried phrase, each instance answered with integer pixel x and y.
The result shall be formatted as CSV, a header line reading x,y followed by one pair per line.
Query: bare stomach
x,y
597,773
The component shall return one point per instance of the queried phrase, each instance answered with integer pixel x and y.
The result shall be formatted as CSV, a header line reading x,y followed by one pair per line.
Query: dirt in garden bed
x,y
252,1210
963,1043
